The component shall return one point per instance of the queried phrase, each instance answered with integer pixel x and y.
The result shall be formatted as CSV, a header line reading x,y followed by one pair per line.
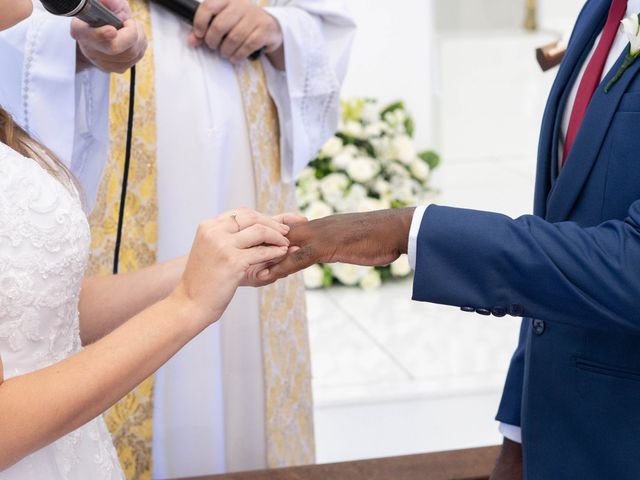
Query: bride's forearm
x,y
40,407
107,302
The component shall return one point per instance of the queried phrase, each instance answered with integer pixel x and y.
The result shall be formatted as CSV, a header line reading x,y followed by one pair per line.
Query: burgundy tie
x,y
593,73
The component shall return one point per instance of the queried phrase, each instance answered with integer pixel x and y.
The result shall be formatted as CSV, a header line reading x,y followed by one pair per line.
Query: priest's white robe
x,y
209,400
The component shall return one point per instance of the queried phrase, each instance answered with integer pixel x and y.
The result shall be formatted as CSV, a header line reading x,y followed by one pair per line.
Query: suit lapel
x,y
588,143
590,23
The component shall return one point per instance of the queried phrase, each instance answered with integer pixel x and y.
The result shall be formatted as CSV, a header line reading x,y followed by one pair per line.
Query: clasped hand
x,y
228,252
244,247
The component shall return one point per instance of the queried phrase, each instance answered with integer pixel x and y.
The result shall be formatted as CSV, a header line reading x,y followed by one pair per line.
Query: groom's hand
x,y
509,466
375,238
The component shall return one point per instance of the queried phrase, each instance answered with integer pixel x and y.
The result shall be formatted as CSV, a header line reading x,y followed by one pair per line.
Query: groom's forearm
x,y
374,238
399,228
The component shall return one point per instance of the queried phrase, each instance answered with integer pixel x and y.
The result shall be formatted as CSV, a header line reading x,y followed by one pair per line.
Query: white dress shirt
x,y
513,432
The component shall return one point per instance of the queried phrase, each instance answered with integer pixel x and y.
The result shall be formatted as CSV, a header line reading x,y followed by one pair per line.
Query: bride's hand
x,y
224,251
251,277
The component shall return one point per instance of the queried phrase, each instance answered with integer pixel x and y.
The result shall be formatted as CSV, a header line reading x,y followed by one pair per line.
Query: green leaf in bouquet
x,y
398,204
346,138
385,272
357,142
409,126
322,167
431,157
392,108
367,147
327,279
352,109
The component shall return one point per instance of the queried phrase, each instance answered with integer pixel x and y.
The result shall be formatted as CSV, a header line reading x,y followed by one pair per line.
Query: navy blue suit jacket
x,y
572,270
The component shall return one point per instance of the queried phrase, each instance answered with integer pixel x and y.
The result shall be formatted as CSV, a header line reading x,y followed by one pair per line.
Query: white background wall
x,y
397,49
556,14
394,57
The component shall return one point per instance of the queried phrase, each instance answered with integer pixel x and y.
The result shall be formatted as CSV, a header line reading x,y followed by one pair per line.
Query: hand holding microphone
x,y
107,36
238,29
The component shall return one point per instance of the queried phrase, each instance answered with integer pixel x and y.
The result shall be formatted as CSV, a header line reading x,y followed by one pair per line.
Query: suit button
x,y
516,310
468,309
499,311
538,327
483,311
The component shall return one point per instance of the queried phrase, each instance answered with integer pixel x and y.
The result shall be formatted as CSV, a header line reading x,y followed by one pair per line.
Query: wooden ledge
x,y
474,464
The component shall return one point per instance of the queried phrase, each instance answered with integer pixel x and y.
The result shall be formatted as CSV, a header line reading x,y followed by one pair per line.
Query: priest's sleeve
x,y
317,40
38,64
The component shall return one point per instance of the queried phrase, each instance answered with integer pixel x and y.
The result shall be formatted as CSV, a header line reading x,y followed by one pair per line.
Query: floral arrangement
x,y
370,164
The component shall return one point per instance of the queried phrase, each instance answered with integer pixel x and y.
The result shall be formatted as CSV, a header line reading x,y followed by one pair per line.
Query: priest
x,y
213,130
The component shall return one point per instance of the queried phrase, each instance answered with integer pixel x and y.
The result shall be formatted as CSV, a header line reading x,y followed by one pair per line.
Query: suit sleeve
x,y
561,272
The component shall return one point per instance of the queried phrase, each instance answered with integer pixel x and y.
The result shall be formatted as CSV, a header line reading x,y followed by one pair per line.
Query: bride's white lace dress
x,y
44,246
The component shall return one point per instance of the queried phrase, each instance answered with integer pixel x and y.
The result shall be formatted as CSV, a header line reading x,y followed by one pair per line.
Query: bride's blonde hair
x,y
19,140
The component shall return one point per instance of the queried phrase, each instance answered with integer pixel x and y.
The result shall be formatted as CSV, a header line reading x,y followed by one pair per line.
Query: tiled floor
x,y
396,377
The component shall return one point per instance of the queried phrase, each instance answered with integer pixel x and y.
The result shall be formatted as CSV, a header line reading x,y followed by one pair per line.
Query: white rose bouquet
x,y
370,164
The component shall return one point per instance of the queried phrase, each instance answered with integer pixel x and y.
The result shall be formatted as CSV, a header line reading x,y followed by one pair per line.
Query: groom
x,y
572,270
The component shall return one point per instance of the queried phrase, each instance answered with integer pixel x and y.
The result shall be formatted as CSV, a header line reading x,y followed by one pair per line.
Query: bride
x,y
69,356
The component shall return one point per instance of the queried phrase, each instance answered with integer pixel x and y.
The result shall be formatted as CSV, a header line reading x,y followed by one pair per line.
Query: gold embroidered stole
x,y
130,421
285,340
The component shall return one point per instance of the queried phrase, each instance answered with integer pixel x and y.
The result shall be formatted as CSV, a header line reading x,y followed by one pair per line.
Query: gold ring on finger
x,y
235,219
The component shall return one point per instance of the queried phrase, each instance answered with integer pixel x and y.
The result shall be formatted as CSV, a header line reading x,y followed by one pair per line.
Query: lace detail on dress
x,y
44,247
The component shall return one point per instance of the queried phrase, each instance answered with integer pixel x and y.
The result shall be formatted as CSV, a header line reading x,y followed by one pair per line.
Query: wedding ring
x,y
235,219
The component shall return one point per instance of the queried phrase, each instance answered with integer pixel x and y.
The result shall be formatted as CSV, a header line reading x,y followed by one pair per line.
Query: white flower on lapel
x,y
631,28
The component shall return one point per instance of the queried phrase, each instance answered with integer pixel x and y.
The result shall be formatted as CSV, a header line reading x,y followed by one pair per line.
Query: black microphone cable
x,y
126,170
96,14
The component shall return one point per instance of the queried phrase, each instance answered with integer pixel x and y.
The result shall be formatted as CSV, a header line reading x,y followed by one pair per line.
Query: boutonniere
x,y
631,28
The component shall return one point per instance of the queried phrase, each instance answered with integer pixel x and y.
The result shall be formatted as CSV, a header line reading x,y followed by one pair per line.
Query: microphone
x,y
90,11
186,9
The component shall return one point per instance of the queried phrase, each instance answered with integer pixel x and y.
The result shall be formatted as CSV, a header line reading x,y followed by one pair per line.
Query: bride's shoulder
x,y
20,175
12,161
